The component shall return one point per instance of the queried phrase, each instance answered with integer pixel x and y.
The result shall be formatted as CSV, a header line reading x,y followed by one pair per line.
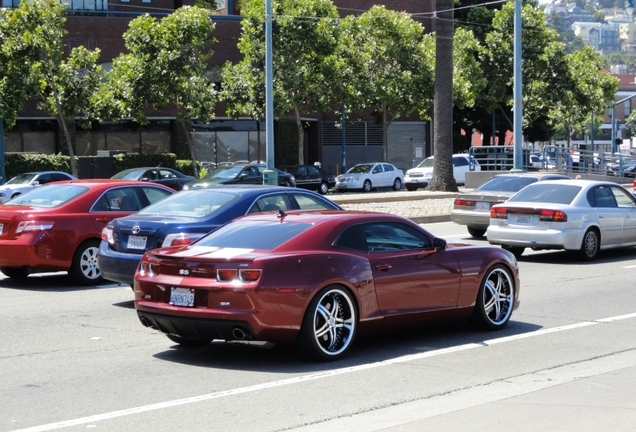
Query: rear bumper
x,y
471,218
117,266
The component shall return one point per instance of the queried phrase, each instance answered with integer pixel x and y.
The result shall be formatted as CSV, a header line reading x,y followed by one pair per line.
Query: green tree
x,y
36,68
304,39
165,66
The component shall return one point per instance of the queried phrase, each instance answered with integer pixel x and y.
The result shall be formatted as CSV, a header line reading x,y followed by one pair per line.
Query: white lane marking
x,y
630,266
315,376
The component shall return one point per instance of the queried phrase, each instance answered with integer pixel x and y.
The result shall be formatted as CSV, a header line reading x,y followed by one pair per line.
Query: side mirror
x,y
144,179
439,243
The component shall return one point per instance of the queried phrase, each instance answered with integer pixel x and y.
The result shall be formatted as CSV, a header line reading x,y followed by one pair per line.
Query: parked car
x,y
244,174
317,278
420,175
189,215
25,182
369,176
311,177
164,176
57,227
577,215
473,208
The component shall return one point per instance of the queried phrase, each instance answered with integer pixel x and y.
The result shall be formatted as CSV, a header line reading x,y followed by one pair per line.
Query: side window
x,y
150,175
154,194
45,178
165,174
302,171
603,197
308,202
313,171
390,237
623,199
59,177
387,168
120,199
377,169
460,161
351,239
273,202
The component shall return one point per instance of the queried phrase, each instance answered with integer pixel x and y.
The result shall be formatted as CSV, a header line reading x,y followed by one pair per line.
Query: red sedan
x,y
57,227
318,278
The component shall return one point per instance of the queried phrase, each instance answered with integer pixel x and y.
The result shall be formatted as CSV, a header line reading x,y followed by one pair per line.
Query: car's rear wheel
x,y
188,342
84,269
366,186
324,188
411,188
517,251
591,245
476,232
495,299
14,272
397,184
329,325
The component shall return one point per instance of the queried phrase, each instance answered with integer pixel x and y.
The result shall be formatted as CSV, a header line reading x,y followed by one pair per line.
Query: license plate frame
x,y
137,242
182,296
482,206
523,219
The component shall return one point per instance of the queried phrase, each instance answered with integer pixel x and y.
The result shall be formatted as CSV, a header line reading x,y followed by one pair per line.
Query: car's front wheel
x,y
517,251
411,188
329,325
324,188
84,269
495,299
591,245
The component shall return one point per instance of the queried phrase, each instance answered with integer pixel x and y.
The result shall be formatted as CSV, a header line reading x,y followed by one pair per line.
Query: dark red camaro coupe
x,y
318,278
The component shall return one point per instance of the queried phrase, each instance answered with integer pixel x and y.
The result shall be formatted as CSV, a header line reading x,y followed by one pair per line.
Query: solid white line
x,y
315,376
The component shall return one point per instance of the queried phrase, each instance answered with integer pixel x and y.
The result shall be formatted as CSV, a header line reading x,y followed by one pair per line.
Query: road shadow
x,y
50,282
367,349
562,257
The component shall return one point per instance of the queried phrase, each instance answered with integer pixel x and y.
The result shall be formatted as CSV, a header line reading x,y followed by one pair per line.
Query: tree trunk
x,y
301,137
188,135
443,179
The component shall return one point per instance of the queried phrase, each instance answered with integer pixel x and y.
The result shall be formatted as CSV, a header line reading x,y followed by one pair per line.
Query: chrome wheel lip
x,y
334,322
498,298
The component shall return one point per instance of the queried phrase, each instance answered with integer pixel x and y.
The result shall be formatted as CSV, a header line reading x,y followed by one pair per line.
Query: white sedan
x,y
420,175
368,176
578,215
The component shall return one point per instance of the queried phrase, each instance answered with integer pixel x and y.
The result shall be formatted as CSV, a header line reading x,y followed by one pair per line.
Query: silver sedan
x,y
473,208
579,215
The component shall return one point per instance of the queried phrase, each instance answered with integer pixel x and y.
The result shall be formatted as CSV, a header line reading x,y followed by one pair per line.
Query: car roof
x,y
108,183
250,188
538,175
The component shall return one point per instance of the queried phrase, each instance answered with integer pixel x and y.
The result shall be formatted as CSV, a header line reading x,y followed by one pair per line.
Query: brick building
x,y
101,24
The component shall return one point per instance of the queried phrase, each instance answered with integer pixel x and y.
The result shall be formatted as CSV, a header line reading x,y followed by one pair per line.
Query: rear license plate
x,y
137,242
182,297
524,219
482,206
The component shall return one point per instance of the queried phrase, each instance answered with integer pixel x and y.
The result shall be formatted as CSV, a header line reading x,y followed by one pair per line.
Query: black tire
x,y
517,251
411,188
591,245
329,325
14,272
366,186
324,188
84,269
187,342
397,184
495,299
476,232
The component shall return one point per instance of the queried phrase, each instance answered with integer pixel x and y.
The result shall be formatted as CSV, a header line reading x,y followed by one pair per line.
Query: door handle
x,y
383,267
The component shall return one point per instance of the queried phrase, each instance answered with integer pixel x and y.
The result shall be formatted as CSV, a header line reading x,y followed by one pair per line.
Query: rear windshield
x,y
547,193
253,234
191,203
48,196
506,184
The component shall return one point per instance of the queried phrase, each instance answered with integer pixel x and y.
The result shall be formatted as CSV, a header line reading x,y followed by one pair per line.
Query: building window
x,y
10,3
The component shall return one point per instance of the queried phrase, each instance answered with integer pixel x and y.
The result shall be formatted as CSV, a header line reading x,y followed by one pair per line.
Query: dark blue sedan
x,y
188,215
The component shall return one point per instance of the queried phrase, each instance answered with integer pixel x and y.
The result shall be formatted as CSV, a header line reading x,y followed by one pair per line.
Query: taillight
x,y
463,202
108,235
181,239
498,213
553,216
33,226
240,275
148,269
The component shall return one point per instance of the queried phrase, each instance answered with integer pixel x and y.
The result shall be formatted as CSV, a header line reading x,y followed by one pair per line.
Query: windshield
x,y
506,184
427,163
225,172
547,193
128,175
253,234
22,179
48,196
360,169
191,203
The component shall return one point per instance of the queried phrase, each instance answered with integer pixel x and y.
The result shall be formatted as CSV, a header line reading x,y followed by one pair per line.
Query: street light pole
x,y
270,176
517,92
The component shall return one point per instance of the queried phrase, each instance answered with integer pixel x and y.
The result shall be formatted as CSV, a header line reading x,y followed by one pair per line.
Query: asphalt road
x,y
75,358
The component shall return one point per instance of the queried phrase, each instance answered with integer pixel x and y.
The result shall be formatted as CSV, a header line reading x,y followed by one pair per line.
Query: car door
x,y
410,275
460,167
168,178
314,177
302,177
627,206
378,176
609,216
